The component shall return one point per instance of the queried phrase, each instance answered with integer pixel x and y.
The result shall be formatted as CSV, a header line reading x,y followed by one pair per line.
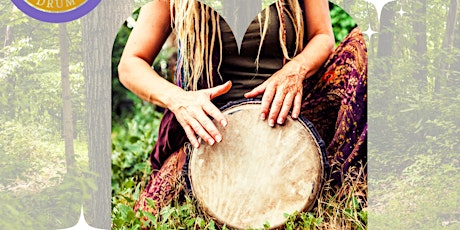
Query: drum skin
x,y
257,174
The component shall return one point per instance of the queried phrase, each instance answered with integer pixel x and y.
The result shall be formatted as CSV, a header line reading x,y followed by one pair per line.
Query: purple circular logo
x,y
56,11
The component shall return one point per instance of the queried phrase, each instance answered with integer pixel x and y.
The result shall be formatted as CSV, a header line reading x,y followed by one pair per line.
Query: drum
x,y
257,174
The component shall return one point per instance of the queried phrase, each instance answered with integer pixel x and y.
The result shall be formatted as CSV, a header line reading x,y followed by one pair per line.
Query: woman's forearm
x,y
319,35
315,53
144,43
137,75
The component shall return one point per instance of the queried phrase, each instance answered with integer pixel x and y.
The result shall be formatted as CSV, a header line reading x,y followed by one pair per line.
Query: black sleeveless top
x,y
241,68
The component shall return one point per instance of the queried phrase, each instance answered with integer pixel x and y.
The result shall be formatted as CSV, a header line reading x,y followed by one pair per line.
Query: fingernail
x,y
271,123
294,116
223,123
211,141
218,138
262,116
280,121
196,145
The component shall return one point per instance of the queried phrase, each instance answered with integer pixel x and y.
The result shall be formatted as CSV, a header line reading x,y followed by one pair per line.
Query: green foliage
x,y
425,130
174,216
342,23
131,145
51,208
30,89
19,151
122,99
306,220
416,164
35,190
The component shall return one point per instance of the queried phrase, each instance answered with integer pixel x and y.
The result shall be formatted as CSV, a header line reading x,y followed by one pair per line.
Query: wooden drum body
x,y
257,173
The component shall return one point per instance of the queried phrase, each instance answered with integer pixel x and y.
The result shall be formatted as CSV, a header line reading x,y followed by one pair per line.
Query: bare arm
x,y
190,108
320,36
148,36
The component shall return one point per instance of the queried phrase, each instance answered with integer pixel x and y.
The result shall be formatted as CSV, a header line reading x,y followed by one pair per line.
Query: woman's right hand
x,y
194,110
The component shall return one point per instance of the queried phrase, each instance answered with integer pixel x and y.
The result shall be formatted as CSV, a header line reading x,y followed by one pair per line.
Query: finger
x,y
256,91
266,101
275,108
207,130
215,113
287,103
191,136
200,131
297,106
219,90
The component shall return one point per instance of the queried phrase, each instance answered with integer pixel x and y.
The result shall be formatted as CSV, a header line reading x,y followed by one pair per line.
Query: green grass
x,y
338,208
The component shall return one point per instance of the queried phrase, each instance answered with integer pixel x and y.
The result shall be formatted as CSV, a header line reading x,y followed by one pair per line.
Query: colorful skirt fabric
x,y
335,101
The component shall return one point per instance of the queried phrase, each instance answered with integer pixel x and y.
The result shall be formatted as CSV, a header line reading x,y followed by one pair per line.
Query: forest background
x,y
55,126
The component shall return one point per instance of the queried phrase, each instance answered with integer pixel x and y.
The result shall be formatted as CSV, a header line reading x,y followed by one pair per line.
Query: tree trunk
x,y
386,34
454,69
385,44
447,43
420,47
67,119
99,29
8,36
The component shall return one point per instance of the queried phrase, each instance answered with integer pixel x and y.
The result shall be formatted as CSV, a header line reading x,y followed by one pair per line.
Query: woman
x,y
283,60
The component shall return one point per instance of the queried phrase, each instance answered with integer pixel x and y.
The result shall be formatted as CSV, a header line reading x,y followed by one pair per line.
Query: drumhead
x,y
257,174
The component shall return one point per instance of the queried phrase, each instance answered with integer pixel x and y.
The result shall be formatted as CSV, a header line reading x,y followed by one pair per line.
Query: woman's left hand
x,y
281,92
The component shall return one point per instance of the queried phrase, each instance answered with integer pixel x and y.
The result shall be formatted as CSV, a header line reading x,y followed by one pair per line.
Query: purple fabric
x,y
336,103
171,138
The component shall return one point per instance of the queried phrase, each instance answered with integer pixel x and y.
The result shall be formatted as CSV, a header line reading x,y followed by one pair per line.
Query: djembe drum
x,y
257,174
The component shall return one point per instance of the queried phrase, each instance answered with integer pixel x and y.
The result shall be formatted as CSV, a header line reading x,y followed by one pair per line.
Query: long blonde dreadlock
x,y
197,28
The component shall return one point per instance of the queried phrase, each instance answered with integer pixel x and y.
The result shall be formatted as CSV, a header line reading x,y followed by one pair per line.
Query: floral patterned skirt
x,y
335,102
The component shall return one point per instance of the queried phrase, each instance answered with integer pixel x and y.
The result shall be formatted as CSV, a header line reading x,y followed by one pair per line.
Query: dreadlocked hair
x,y
197,29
